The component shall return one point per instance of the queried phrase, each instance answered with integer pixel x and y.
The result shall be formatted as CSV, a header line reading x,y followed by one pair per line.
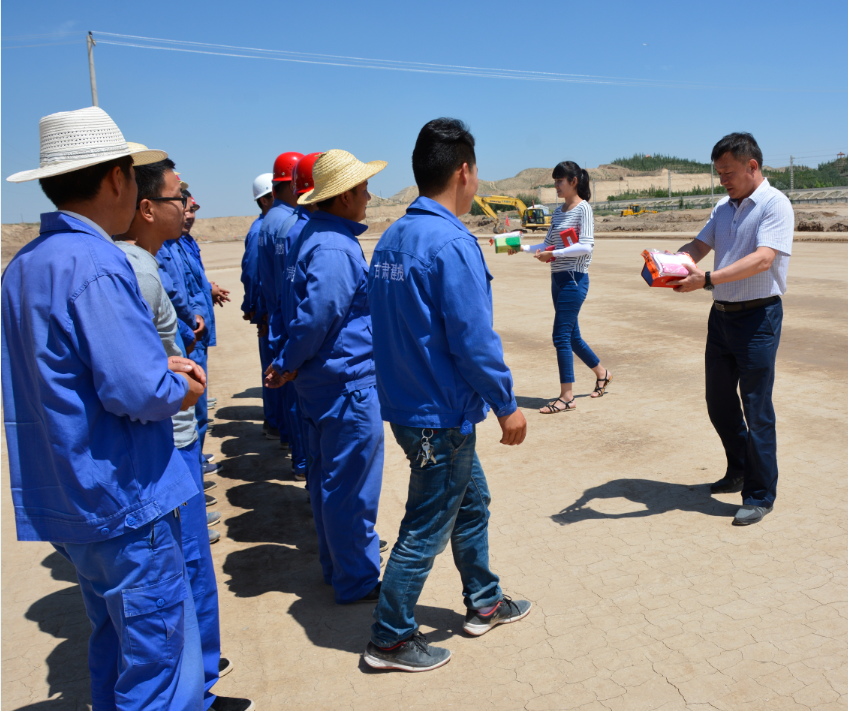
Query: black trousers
x,y
740,367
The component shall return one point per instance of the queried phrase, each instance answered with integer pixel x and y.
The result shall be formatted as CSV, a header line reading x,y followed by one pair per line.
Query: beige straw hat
x,y
336,172
72,140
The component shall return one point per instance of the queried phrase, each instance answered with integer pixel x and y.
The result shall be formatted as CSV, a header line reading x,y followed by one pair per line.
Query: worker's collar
x,y
355,228
91,223
428,205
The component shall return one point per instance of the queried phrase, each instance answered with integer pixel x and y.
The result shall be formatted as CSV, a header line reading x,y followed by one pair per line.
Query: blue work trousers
x,y
568,290
270,396
201,572
201,409
448,501
345,477
294,427
740,354
144,649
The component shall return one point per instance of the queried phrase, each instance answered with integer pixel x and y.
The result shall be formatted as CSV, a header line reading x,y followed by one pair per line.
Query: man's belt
x,y
731,306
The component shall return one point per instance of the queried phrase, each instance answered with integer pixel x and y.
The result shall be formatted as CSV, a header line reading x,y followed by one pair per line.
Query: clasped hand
x,y
273,379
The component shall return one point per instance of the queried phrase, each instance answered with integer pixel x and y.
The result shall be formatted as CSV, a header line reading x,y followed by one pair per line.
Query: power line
x,y
49,34
206,48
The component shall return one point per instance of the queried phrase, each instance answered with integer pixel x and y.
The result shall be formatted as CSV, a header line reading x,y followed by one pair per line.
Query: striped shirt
x,y
735,230
580,217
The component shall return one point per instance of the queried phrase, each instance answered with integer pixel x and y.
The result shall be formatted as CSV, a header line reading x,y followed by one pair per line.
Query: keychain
x,y
426,454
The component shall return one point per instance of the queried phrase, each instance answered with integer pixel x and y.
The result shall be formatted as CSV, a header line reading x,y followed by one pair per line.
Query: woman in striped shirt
x,y
570,281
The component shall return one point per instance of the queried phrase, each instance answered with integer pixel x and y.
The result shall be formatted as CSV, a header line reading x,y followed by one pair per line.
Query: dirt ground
x,y
645,596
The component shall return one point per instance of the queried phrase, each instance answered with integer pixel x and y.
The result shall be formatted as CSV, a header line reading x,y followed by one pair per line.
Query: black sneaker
x,y
506,611
728,485
412,655
384,546
229,703
209,485
749,514
210,500
271,432
371,597
225,666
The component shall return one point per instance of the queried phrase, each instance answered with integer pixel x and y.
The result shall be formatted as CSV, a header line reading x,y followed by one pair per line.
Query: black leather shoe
x,y
728,485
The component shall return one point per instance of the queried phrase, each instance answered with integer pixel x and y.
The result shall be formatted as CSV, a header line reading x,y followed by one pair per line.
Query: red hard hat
x,y
302,177
284,165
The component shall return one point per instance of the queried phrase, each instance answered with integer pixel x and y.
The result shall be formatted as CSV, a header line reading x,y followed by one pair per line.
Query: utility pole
x,y
91,44
791,173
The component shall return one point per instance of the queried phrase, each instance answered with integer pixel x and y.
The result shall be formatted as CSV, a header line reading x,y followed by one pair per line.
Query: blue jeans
x,y
741,352
144,649
345,475
448,500
201,572
568,290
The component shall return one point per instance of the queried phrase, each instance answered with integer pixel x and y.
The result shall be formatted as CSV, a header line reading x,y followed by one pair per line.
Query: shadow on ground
x,y
62,614
279,568
657,497
534,403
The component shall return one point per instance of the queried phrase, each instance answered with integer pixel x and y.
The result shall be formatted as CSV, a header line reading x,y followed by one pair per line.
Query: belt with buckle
x,y
731,306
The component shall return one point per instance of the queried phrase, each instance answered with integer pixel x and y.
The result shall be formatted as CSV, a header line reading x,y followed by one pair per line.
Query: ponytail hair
x,y
569,170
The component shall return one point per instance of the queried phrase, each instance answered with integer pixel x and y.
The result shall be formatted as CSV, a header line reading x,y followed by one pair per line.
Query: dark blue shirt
x,y
439,360
172,275
250,272
329,337
87,394
200,290
268,268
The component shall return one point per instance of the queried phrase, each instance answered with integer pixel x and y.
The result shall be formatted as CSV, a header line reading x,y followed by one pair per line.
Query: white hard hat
x,y
262,185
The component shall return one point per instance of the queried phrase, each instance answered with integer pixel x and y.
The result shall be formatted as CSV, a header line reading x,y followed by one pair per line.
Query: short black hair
x,y
443,145
84,184
742,146
326,204
151,177
278,188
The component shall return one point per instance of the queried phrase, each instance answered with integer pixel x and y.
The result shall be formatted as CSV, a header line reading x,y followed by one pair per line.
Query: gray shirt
x,y
735,230
146,270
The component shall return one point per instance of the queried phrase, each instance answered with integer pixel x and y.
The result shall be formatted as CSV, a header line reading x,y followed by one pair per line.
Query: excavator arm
x,y
488,211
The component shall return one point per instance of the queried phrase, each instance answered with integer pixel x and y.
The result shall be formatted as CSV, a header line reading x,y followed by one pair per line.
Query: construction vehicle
x,y
535,217
636,210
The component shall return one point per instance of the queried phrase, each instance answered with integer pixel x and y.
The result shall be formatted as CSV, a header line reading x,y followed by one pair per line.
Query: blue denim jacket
x,y
439,359
329,337
87,394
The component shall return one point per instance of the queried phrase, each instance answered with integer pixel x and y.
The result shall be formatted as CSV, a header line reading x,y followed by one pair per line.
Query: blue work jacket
x,y
439,359
329,338
200,290
291,229
250,273
172,276
271,226
87,394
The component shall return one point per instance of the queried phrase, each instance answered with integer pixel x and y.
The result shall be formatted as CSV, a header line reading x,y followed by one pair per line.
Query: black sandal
x,y
601,389
555,411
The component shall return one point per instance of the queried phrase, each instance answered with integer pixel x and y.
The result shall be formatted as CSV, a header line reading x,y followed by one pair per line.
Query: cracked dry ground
x,y
645,596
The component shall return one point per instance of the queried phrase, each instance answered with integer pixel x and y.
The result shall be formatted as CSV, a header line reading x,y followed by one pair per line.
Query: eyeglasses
x,y
183,200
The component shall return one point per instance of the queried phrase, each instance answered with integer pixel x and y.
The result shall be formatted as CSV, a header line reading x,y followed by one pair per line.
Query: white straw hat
x,y
72,140
336,172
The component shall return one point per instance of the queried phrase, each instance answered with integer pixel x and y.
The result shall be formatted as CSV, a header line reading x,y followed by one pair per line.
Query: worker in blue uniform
x,y
284,205
253,307
202,301
440,367
328,355
158,216
172,276
288,233
92,461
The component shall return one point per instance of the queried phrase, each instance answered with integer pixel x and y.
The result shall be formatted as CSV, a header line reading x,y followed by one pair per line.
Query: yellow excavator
x,y
636,210
533,218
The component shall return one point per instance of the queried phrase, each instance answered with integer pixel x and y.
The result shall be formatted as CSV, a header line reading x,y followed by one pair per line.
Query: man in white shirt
x,y
751,232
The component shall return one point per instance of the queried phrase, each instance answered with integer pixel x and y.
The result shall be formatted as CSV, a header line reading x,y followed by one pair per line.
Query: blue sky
x,y
224,119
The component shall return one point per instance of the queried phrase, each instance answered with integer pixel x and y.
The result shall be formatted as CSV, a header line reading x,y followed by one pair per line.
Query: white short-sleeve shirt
x,y
735,230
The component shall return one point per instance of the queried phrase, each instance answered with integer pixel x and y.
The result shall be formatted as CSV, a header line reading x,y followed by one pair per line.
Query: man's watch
x,y
708,283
